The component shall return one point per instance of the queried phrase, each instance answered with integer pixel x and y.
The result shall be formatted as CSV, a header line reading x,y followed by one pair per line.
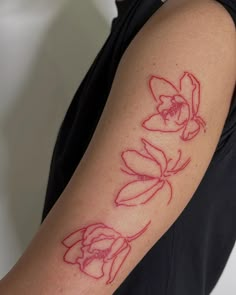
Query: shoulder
x,y
211,11
199,17
196,31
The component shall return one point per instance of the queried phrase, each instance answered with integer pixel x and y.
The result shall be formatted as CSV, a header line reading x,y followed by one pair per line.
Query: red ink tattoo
x,y
151,171
177,107
99,250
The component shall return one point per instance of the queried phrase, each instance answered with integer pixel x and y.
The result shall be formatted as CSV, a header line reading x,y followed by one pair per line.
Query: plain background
x,y
46,48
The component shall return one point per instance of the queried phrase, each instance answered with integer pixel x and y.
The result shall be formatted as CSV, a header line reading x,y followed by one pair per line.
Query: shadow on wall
x,y
67,47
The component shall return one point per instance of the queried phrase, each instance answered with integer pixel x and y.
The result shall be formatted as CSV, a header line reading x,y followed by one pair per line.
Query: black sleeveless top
x,y
191,256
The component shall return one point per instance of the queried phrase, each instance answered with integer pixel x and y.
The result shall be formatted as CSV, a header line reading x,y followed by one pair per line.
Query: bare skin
x,y
132,184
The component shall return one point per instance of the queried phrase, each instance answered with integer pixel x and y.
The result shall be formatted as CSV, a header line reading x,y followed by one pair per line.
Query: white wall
x,y
45,49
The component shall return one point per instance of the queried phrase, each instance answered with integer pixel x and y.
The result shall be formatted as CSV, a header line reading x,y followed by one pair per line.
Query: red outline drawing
x,y
97,245
151,172
177,108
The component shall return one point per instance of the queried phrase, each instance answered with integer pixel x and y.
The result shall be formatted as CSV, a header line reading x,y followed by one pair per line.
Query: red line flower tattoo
x,y
151,172
177,107
99,250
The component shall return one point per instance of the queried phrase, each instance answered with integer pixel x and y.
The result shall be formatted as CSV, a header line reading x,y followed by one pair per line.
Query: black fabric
x,y
190,257
229,5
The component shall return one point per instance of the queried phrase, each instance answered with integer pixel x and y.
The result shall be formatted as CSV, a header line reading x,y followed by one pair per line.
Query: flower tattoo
x,y
99,250
151,172
177,107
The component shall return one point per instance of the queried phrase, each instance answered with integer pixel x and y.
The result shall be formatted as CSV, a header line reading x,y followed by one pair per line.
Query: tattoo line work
x,y
99,250
177,107
151,172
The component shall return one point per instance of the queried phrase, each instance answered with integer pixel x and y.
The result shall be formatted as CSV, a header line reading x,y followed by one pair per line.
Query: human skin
x,y
94,213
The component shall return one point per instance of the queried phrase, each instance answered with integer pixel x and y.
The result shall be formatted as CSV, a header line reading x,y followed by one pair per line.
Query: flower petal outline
x,y
117,246
191,130
145,190
140,164
186,87
159,85
92,267
101,244
156,122
73,238
157,154
73,253
195,95
117,263
90,229
98,234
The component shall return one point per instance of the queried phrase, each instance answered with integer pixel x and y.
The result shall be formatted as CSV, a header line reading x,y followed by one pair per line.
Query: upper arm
x,y
155,139
182,61
180,68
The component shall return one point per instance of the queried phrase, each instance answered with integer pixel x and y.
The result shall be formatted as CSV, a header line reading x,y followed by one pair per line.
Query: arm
x,y
169,99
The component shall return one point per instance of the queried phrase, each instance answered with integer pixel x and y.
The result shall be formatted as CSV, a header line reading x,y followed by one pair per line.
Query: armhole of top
x,y
230,7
